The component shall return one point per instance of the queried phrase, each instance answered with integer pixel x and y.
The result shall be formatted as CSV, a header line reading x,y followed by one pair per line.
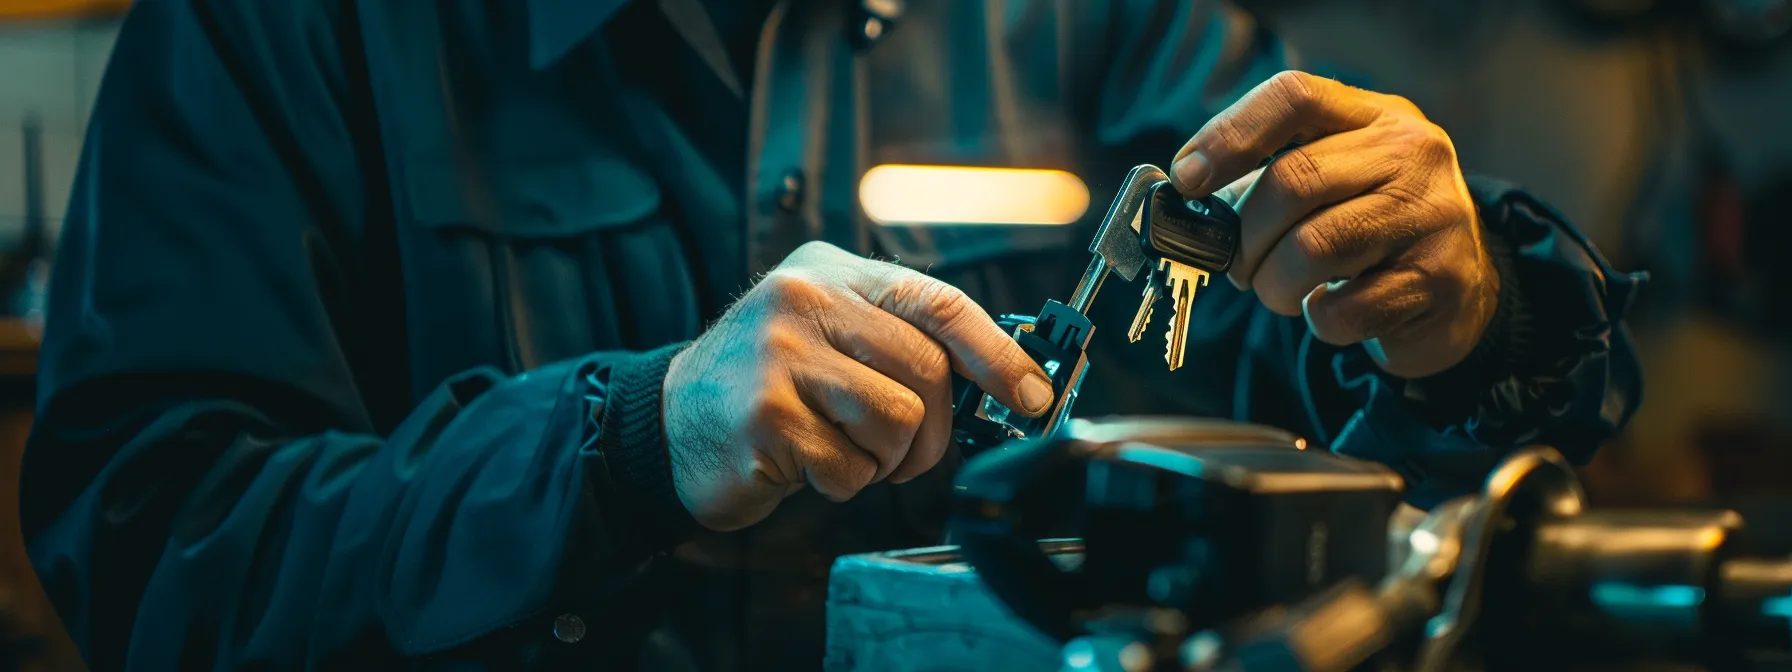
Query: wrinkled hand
x,y
1367,228
833,372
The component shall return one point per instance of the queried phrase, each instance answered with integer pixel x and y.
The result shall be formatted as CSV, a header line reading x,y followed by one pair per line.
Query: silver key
x,y
1116,246
1183,281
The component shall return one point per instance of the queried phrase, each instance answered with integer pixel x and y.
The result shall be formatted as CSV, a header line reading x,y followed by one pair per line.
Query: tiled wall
x,y
51,69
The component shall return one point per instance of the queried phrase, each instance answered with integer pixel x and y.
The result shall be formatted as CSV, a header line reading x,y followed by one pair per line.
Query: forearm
x,y
489,512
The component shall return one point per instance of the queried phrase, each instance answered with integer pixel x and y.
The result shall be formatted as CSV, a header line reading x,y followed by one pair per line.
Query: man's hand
x,y
1367,227
834,373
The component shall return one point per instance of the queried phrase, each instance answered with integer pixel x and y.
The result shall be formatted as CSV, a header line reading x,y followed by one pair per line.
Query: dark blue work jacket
x,y
362,309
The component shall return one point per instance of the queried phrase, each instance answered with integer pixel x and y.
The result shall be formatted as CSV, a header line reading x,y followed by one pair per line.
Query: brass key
x,y
1143,318
1183,281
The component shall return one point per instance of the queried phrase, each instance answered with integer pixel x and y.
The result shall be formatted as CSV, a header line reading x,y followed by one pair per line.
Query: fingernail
x,y
1035,394
1191,173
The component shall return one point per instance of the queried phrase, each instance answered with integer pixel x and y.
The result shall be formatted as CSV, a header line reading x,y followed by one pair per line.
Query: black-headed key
x,y
1190,241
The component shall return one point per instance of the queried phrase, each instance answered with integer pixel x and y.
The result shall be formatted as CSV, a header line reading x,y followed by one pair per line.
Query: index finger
x,y
980,350
1289,107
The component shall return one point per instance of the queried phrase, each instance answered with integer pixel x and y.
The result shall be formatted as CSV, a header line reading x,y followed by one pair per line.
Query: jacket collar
x,y
557,26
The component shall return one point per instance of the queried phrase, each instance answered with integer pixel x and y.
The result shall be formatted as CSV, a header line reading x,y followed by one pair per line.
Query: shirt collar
x,y
556,26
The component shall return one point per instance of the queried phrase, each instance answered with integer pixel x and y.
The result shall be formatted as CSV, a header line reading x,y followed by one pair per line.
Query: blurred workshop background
x,y
1662,127
52,54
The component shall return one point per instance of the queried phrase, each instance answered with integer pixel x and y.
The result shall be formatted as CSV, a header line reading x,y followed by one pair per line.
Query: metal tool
x,y
1114,247
1204,520
1210,547
1524,576
1190,240
1058,337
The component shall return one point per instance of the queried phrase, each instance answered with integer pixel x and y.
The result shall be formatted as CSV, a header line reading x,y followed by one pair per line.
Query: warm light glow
x,y
897,194
1424,542
11,10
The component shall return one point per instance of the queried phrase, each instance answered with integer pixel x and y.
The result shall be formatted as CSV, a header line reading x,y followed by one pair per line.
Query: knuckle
x,y
949,305
944,304
782,282
1403,131
1300,174
780,341
1401,198
859,351
1452,282
1404,104
855,480
1228,137
1439,286
1296,89
1431,144
933,364
1315,243
1415,139
774,411
1400,146
811,251
839,474
908,411
1412,211
1354,219
1361,233
894,287
1434,134
792,291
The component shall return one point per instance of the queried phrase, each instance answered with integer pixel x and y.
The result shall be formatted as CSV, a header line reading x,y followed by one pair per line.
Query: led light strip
x,y
947,195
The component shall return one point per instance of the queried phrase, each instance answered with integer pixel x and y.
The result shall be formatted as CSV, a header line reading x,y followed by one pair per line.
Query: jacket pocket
x,y
556,195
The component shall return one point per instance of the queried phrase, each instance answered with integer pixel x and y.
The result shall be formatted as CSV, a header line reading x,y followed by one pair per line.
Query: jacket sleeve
x,y
1556,367
205,484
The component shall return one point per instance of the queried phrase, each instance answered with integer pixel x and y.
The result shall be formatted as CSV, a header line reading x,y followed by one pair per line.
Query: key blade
x,y
1142,319
1184,282
1177,337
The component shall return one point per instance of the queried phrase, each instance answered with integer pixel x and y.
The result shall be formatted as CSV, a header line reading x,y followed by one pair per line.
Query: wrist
x,y
1555,366
1451,395
633,442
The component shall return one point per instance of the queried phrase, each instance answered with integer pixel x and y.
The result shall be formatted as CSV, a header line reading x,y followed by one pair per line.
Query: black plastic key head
x,y
1202,233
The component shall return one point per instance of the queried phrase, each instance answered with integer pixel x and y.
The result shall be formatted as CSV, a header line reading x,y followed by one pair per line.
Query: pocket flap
x,y
539,197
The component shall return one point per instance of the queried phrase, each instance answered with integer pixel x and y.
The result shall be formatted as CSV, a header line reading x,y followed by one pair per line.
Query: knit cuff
x,y
633,441
1450,396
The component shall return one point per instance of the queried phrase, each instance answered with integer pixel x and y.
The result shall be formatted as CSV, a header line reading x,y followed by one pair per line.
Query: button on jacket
x,y
362,310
